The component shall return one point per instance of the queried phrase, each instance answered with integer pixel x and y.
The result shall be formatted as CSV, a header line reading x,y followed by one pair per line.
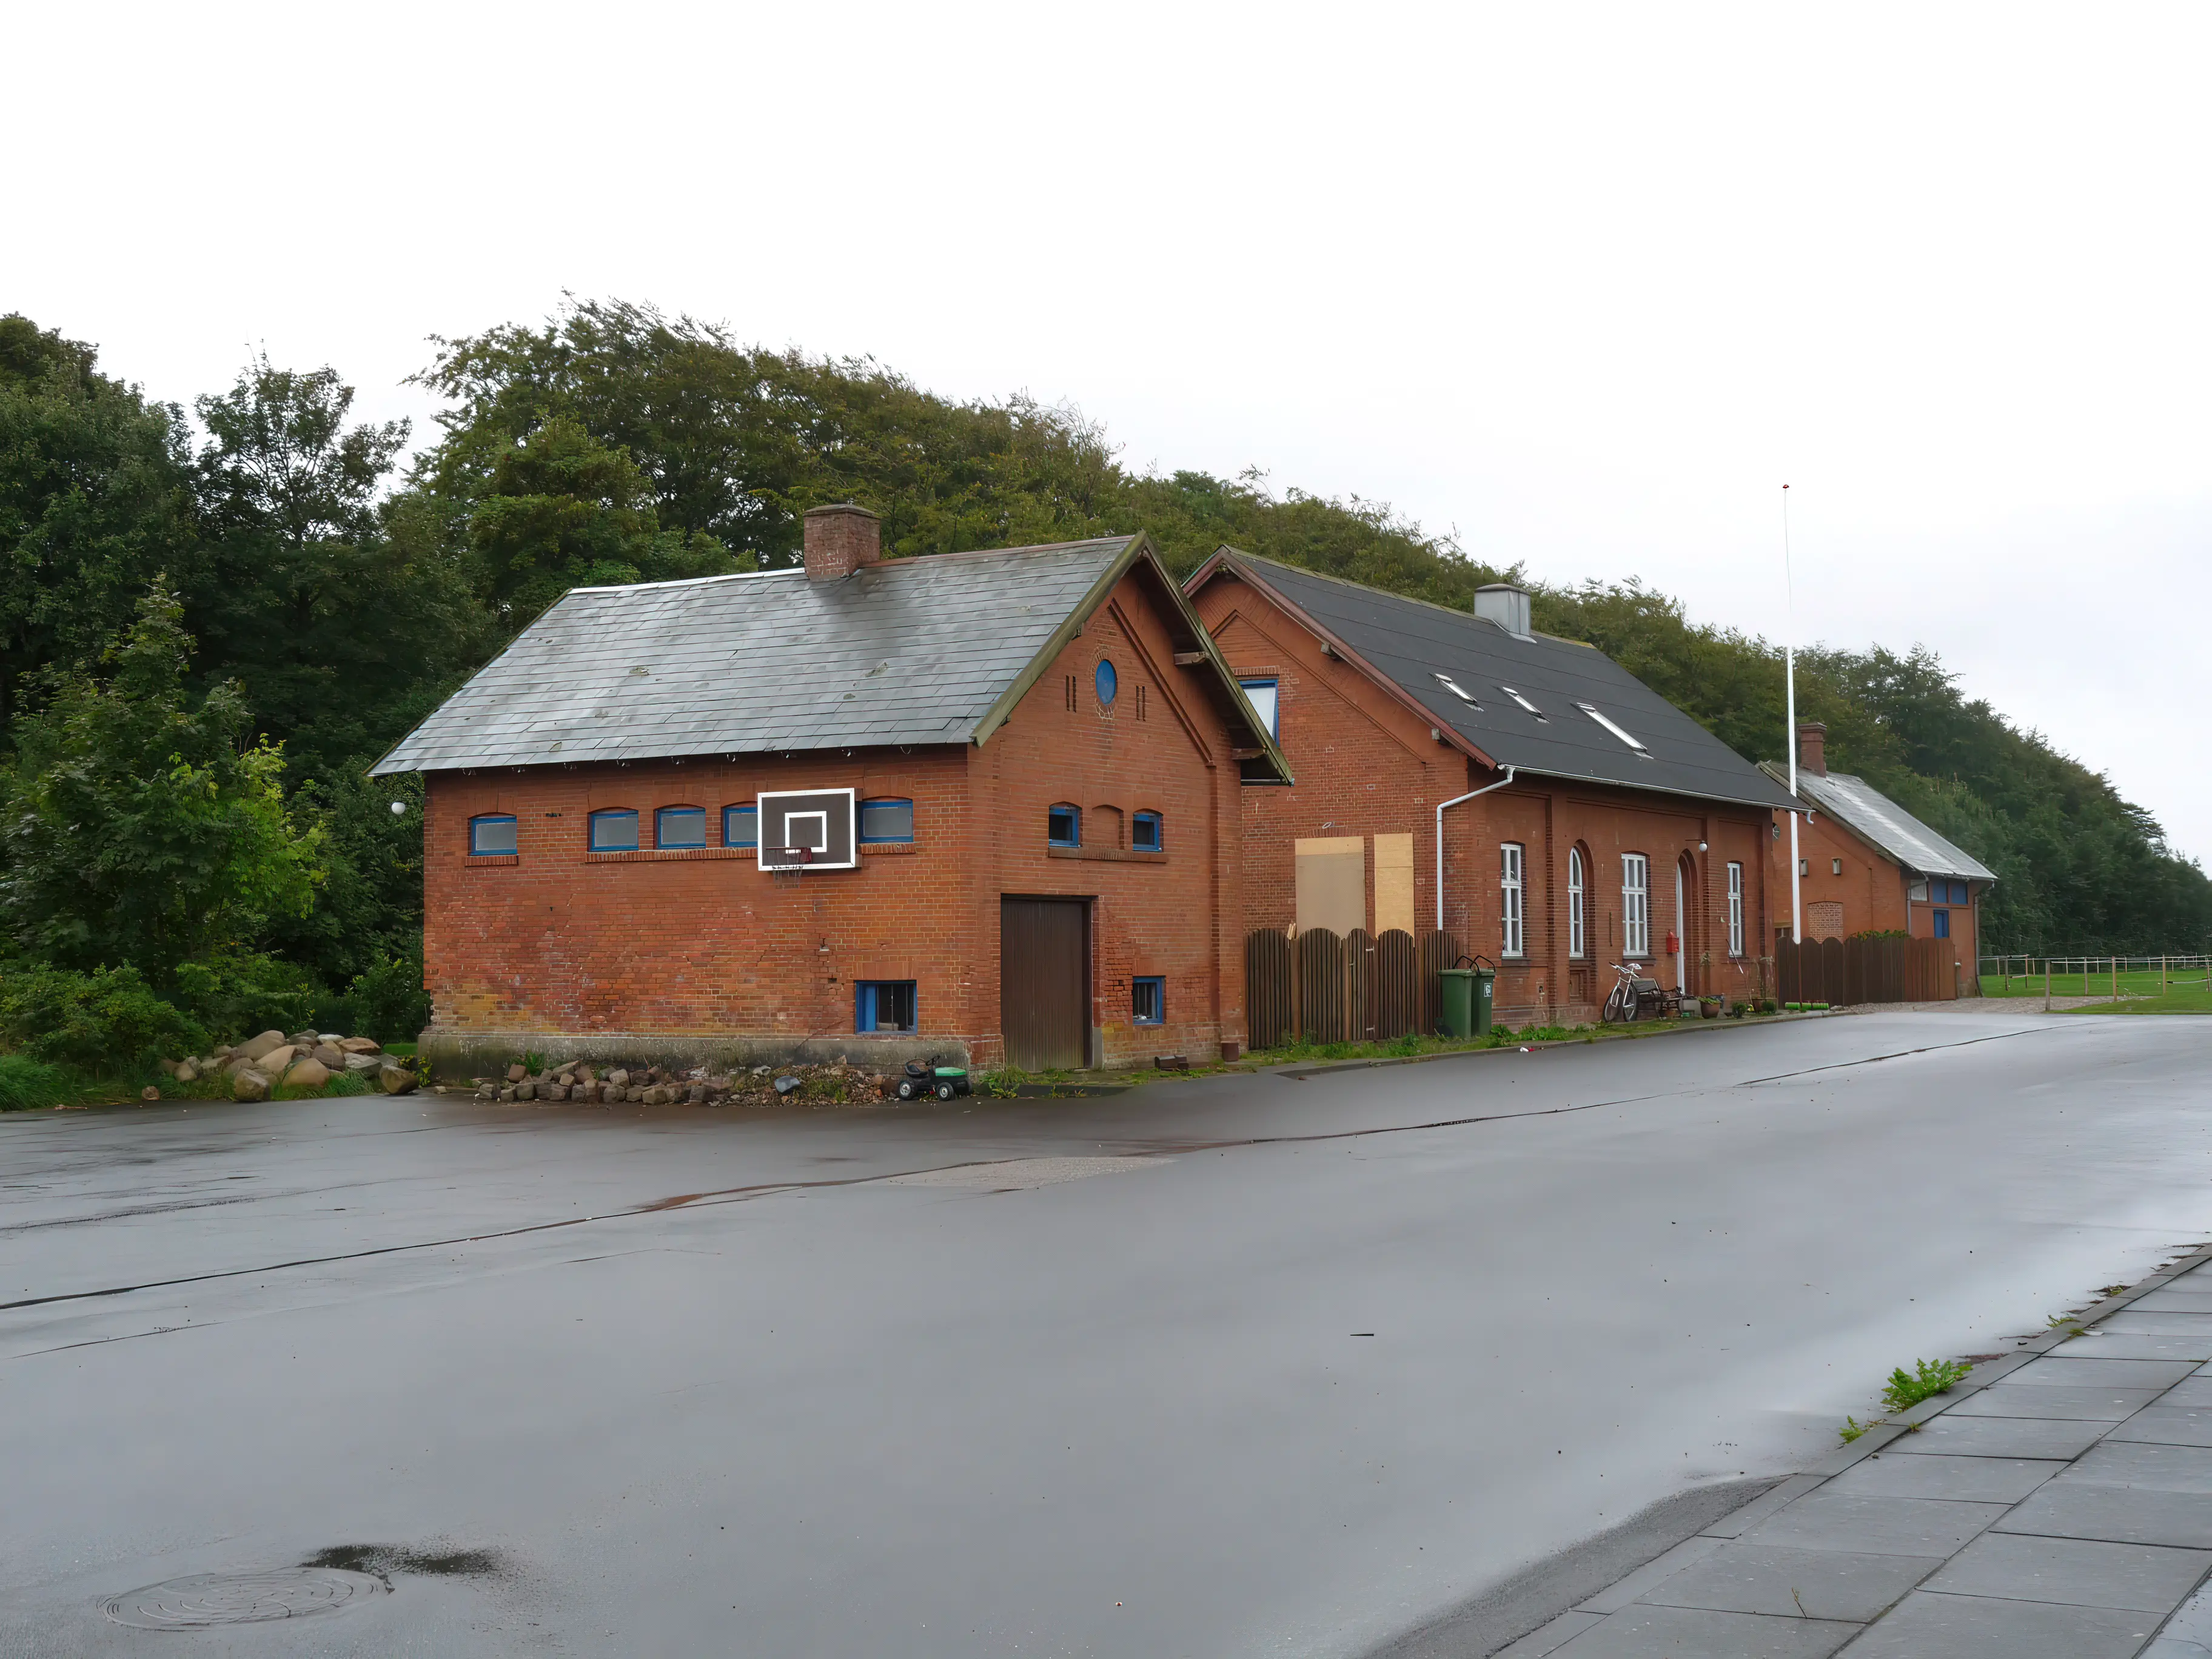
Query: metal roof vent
x,y
1506,605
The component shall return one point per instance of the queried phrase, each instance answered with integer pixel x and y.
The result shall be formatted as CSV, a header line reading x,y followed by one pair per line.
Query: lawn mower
x,y
928,1078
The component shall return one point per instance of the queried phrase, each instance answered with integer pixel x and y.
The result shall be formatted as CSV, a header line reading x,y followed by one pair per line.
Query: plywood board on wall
x,y
1332,883
1394,883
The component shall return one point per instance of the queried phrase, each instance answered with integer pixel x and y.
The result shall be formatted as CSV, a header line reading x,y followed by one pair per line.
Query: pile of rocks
x,y
661,1085
305,1060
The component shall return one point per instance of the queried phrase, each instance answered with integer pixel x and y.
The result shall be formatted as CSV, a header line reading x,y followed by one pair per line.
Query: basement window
x,y
886,820
741,826
614,831
1148,1001
1063,825
1144,832
491,835
1459,691
679,829
1524,702
884,1005
1633,742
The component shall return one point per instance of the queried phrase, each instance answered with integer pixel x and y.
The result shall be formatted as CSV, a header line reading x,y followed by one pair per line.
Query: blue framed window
x,y
1063,825
491,835
1108,683
679,828
886,820
1144,832
1261,695
1942,924
1958,892
741,826
614,830
884,1005
1148,1001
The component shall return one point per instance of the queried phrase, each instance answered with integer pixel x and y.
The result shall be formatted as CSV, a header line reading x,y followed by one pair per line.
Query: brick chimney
x,y
1812,746
839,539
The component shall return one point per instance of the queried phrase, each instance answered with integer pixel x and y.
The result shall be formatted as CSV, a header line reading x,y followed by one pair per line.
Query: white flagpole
x,y
1790,735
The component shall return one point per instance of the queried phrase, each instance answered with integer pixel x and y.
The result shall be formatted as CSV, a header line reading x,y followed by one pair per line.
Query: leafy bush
x,y
26,1086
244,992
1927,1378
387,1002
107,1020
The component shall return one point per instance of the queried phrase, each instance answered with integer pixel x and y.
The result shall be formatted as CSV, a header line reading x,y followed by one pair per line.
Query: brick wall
x,y
1366,765
704,947
1871,890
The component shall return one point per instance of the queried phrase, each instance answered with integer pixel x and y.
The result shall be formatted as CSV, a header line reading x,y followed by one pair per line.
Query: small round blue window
x,y
1107,684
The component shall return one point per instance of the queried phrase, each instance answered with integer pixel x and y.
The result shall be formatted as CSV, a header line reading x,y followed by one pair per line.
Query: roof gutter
x,y
1454,801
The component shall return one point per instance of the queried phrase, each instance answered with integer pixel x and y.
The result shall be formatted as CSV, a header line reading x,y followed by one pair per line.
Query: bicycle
x,y
1634,997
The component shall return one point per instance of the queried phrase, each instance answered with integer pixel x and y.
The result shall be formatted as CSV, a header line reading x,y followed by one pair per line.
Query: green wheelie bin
x,y
1467,998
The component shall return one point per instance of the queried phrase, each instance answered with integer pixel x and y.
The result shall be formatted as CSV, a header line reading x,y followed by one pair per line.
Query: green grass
x,y
26,1086
2137,983
1411,1047
2191,1000
1927,1378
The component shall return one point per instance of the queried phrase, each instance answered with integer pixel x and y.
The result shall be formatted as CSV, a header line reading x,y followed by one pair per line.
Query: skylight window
x,y
1458,690
1631,742
1524,701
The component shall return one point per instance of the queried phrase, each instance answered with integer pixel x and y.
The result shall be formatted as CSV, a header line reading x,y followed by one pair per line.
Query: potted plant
x,y
1710,1005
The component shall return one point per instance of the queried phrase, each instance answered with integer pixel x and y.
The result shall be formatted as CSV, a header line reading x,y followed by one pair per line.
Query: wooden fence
x,y
1319,987
1847,971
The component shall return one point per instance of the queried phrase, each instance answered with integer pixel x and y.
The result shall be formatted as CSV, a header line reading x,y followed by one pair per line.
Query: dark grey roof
x,y
910,650
1411,642
1874,818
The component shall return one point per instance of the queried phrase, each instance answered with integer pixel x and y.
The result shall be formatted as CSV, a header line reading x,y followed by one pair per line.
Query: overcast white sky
x,y
1586,283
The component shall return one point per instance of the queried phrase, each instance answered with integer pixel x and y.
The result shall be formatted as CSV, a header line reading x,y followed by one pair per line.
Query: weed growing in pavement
x,y
2067,1323
1853,1429
1927,1378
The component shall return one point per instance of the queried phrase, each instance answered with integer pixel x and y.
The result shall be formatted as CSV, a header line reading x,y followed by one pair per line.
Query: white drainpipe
x,y
1454,801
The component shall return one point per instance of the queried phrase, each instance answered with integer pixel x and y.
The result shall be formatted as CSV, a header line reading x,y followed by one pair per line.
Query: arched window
x,y
1635,905
741,825
614,829
679,829
1063,825
491,835
1108,683
1577,941
886,820
1144,833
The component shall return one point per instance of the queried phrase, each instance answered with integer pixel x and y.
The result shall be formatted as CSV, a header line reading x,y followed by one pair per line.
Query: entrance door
x,y
1681,934
1044,983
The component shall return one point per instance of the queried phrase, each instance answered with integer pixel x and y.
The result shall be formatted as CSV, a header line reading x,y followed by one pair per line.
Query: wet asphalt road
x,y
702,1383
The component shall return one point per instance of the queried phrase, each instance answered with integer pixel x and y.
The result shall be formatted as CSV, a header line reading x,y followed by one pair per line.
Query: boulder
x,y
696,1094
395,1078
168,1068
333,1060
357,1065
619,1078
276,1059
189,1071
516,1072
586,1076
305,1039
254,1048
525,1090
308,1073
361,1045
488,1092
249,1084
556,1092
149,1092
633,1095
507,1093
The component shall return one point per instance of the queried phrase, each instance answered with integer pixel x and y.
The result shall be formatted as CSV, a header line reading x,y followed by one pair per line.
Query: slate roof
x,y
909,651
1409,642
1880,821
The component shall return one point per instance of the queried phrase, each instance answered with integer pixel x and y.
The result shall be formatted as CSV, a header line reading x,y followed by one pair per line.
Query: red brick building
x,y
984,804
1605,825
1868,866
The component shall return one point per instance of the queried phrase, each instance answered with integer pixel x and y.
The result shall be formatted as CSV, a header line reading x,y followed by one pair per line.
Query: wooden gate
x,y
1044,983
1853,972
1268,988
1397,985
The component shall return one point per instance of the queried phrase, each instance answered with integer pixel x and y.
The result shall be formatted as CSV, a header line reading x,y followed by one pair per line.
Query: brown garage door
x,y
1044,990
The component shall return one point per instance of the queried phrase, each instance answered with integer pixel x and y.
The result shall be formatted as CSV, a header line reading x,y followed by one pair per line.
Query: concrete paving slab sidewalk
x,y
2058,1502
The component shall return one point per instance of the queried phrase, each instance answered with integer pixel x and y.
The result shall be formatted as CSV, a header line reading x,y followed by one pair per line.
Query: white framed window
x,y
1577,945
1513,939
1736,909
1636,904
